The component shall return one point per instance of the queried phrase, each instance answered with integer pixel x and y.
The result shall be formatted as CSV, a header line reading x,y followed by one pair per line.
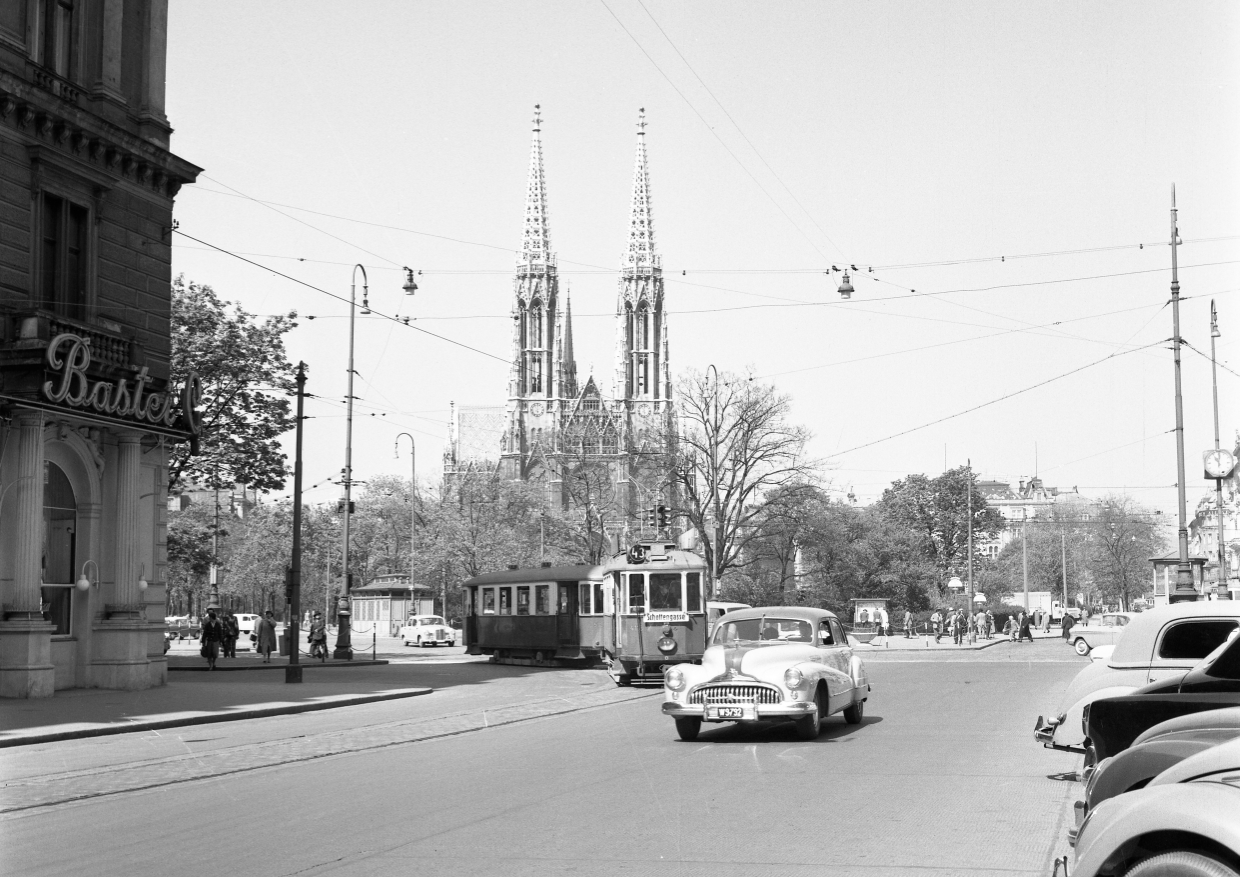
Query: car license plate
x,y
729,712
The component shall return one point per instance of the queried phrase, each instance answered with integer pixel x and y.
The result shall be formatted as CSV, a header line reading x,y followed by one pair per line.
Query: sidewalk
x,y
925,642
201,698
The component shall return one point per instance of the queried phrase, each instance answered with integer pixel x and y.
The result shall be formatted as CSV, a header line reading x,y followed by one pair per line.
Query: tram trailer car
x,y
639,612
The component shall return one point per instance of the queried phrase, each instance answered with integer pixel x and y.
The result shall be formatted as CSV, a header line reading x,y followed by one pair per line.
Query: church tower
x,y
539,375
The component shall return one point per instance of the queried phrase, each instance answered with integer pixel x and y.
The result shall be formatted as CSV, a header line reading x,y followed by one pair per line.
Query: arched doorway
x,y
59,547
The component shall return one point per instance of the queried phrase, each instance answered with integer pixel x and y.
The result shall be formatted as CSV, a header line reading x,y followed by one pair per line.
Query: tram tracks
x,y
19,797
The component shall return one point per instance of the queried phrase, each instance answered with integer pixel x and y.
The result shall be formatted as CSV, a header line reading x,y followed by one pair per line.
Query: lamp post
x,y
1221,591
413,494
714,485
344,649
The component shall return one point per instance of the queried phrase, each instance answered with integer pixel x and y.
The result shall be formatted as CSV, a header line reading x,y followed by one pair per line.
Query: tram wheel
x,y
688,728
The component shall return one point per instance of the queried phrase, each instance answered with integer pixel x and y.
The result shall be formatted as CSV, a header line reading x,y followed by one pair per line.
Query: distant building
x,y
1028,499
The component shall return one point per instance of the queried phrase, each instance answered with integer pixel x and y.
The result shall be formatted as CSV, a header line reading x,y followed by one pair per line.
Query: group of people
x,y
956,623
221,631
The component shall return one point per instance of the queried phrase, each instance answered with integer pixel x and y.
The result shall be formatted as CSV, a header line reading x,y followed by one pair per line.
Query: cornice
x,y
86,139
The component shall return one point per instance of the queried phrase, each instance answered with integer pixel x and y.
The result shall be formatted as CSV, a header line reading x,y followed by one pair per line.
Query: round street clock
x,y
1219,463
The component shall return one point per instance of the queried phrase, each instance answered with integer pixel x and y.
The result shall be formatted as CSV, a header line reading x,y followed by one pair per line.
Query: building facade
x,y
596,447
87,409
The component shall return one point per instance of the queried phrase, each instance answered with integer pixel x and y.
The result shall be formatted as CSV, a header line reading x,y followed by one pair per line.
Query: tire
x,y
808,726
855,713
1180,863
688,728
451,643
1082,647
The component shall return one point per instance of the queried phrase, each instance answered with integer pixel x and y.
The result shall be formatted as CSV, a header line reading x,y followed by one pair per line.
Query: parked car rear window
x,y
1193,640
1227,665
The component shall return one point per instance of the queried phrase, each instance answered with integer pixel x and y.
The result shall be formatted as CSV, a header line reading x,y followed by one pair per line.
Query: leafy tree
x,y
936,510
190,556
240,360
1122,539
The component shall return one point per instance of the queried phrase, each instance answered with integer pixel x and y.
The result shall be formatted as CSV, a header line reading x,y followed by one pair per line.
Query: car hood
x,y
1225,756
759,660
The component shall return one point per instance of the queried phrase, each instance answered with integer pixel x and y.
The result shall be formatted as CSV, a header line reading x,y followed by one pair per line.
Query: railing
x,y
54,83
108,349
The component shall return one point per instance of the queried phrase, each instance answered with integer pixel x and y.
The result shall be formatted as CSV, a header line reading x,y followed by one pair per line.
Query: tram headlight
x,y
666,645
674,678
794,678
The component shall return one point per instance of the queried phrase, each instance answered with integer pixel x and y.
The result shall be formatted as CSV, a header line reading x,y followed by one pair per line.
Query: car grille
x,y
733,693
439,634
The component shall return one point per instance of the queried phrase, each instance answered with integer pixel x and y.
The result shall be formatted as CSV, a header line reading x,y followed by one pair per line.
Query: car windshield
x,y
758,630
434,619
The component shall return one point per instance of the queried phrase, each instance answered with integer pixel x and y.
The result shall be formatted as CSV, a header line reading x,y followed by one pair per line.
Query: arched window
x,y
643,327
59,546
536,324
609,441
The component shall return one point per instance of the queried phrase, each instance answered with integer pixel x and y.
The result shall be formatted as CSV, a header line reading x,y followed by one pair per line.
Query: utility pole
x,y
1184,590
292,672
1024,554
413,506
971,594
1221,591
1063,551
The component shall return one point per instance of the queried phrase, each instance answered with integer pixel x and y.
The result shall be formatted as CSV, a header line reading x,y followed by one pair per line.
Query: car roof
x,y
801,613
1142,629
574,573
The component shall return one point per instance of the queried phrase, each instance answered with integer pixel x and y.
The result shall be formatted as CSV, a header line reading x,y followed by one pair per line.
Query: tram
x,y
636,613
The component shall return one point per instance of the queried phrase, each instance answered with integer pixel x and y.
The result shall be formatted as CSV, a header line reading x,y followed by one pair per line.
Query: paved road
x,y
564,774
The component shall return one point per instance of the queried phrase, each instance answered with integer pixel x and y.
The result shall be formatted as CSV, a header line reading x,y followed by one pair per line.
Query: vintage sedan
x,y
1162,642
1184,823
766,664
427,630
1087,637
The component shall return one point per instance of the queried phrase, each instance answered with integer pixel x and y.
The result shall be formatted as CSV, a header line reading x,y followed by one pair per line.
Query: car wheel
x,y
688,728
1180,863
808,726
854,713
1082,647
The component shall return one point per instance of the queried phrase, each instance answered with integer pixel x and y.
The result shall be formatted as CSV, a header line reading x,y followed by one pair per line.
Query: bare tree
x,y
735,445
1123,538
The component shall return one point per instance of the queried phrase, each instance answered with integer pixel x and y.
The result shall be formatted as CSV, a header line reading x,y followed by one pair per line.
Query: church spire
x,y
569,359
536,236
641,228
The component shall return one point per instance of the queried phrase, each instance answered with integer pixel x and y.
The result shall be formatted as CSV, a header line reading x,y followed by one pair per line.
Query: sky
x,y
1000,174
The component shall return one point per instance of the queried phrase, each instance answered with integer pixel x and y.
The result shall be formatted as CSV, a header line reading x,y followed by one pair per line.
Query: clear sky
x,y
924,140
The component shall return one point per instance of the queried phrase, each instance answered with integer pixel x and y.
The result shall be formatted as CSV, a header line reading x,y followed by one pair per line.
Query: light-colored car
x,y
716,609
1156,644
769,663
1102,631
1185,823
427,630
247,622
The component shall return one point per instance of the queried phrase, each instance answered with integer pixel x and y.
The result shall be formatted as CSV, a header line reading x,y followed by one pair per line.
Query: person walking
x,y
1024,630
1067,623
937,621
981,623
232,630
212,637
908,624
955,627
990,625
318,637
265,632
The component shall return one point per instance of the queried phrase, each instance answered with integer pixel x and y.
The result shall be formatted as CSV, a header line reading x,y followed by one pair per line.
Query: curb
x,y
209,718
261,666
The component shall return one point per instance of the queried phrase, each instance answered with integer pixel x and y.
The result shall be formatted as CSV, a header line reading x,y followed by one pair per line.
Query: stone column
x,y
128,485
26,668
109,81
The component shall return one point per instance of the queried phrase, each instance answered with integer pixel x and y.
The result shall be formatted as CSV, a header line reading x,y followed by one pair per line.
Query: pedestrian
x,y
937,621
1024,630
232,630
1009,628
212,636
908,624
981,623
990,625
265,631
1046,622
1068,622
318,637
956,625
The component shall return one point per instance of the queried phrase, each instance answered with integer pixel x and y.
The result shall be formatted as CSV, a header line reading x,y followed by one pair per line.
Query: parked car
x,y
1104,632
182,627
769,663
427,630
1162,642
1184,823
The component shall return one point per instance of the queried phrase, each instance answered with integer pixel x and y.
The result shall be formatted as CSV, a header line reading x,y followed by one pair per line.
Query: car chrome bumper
x,y
1044,733
761,711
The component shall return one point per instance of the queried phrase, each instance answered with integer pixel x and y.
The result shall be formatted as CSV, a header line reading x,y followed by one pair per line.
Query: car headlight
x,y
794,678
674,678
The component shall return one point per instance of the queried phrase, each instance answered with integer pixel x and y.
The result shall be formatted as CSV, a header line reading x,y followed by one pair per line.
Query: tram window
x,y
665,591
583,599
523,600
488,601
693,592
505,601
542,599
637,593
598,598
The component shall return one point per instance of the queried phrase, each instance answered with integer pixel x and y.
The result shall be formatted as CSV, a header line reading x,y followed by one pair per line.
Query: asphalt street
x,y
512,771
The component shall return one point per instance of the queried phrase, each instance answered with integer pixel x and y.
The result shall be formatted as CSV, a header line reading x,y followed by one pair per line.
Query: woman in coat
x,y
265,633
212,637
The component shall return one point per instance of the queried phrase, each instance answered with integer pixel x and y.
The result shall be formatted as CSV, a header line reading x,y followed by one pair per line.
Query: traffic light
x,y
650,518
665,517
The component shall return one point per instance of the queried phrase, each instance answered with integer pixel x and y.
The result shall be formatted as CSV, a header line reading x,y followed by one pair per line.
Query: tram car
x,y
637,613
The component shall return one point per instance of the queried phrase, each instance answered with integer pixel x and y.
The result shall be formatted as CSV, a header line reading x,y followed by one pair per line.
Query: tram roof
x,y
575,572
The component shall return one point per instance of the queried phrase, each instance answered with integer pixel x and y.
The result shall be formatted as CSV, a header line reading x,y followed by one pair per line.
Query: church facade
x,y
604,447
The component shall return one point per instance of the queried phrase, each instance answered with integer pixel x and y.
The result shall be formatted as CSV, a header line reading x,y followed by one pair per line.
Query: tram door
x,y
471,616
566,617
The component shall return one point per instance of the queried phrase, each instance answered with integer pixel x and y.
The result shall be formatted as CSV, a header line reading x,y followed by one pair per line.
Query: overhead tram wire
x,y
996,400
340,297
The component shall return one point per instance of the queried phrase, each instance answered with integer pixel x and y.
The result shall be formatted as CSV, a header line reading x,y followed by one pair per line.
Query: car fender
x,y
1069,731
861,681
1113,829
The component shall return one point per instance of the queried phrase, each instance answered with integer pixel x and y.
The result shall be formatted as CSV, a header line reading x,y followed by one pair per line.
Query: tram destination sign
x,y
666,617
68,357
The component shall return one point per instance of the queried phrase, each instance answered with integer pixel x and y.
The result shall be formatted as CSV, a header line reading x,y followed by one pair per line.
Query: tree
x,y
1122,539
190,555
735,445
240,360
936,510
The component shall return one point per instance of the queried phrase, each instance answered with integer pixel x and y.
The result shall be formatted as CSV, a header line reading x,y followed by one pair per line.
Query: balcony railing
x,y
54,83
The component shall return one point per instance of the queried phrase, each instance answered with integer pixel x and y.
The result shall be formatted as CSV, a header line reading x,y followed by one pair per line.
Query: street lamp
x,y
1184,589
1219,465
714,485
413,488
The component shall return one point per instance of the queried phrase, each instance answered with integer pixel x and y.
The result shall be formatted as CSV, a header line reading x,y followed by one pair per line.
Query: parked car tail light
x,y
1084,719
674,678
793,678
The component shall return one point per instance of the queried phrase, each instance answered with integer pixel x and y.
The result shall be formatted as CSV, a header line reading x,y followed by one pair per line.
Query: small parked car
x,y
767,664
427,630
1184,823
1105,632
1162,642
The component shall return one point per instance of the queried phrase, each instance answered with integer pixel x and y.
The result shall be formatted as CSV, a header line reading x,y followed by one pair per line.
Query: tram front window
x,y
665,591
637,593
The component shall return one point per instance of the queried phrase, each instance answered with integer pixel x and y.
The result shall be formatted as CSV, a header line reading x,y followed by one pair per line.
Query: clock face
x,y
644,409
1219,463
536,409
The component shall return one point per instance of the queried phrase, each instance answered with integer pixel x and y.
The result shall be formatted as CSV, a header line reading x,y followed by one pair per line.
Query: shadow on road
x,y
834,730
